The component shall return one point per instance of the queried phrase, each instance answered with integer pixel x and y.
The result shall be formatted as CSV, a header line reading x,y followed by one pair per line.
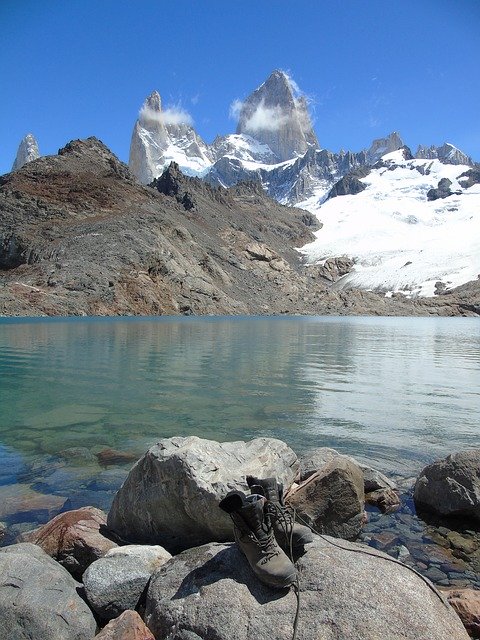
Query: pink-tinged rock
x,y
23,501
466,603
128,626
74,538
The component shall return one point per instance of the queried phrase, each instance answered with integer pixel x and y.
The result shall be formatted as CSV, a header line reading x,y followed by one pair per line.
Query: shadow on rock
x,y
214,570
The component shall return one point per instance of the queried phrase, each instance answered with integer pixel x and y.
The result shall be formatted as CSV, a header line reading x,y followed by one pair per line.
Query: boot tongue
x,y
254,515
267,487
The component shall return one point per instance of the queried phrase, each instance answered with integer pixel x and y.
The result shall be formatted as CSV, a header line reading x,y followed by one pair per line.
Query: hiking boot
x,y
254,536
289,534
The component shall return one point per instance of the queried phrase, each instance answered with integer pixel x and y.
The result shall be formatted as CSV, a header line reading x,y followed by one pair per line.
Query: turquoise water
x,y
397,392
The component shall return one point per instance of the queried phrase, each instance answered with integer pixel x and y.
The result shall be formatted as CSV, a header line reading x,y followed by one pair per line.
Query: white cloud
x,y
194,99
177,115
172,115
294,85
266,118
235,109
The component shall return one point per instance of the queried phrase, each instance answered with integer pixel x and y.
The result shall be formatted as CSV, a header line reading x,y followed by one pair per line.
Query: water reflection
x,y
395,391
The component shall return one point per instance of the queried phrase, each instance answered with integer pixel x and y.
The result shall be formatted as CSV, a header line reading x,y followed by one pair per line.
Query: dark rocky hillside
x,y
79,236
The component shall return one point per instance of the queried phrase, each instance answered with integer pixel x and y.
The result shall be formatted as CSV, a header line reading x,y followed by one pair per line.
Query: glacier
x,y
399,240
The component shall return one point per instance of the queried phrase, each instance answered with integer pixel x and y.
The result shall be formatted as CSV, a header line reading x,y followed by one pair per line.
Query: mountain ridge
x,y
80,236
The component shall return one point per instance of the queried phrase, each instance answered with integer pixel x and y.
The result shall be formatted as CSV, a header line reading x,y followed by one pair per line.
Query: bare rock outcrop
x,y
276,117
27,151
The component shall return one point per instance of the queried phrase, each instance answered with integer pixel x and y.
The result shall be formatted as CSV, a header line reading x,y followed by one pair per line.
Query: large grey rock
x,y
171,495
210,593
115,583
451,487
332,500
39,598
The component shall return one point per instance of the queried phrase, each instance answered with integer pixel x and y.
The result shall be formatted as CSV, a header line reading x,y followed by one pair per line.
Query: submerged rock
x,y
171,495
210,592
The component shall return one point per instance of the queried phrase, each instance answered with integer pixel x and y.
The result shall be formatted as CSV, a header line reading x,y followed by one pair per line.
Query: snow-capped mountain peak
x,y
276,116
162,136
447,153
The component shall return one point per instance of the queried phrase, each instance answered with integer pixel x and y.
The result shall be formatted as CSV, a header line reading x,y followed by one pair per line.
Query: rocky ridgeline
x,y
274,144
80,236
135,588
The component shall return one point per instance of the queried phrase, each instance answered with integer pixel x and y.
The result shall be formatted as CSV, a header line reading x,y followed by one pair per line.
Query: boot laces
x,y
268,547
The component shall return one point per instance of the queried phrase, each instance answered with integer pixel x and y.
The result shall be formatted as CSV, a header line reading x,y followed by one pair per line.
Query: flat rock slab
x,y
39,598
171,495
210,593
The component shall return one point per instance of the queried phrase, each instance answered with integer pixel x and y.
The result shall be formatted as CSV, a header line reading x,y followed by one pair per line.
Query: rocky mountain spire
x,y
381,146
149,140
27,151
160,137
275,115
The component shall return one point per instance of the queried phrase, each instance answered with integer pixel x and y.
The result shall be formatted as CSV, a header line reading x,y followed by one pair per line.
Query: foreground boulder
x,y
332,500
74,538
39,598
115,583
171,495
128,626
210,592
451,487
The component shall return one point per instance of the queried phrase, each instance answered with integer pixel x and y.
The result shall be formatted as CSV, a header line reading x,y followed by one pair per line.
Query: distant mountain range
x,y
403,222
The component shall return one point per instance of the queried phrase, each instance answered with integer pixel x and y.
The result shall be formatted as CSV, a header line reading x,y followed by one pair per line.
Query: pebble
x,y
436,576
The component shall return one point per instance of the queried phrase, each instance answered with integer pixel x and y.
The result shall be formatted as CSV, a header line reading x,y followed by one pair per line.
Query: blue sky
x,y
75,68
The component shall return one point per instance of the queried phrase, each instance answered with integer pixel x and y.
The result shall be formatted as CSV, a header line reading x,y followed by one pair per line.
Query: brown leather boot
x,y
290,535
254,536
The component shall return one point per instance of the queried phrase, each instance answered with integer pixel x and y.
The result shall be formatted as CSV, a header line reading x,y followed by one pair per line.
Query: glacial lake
x,y
394,392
